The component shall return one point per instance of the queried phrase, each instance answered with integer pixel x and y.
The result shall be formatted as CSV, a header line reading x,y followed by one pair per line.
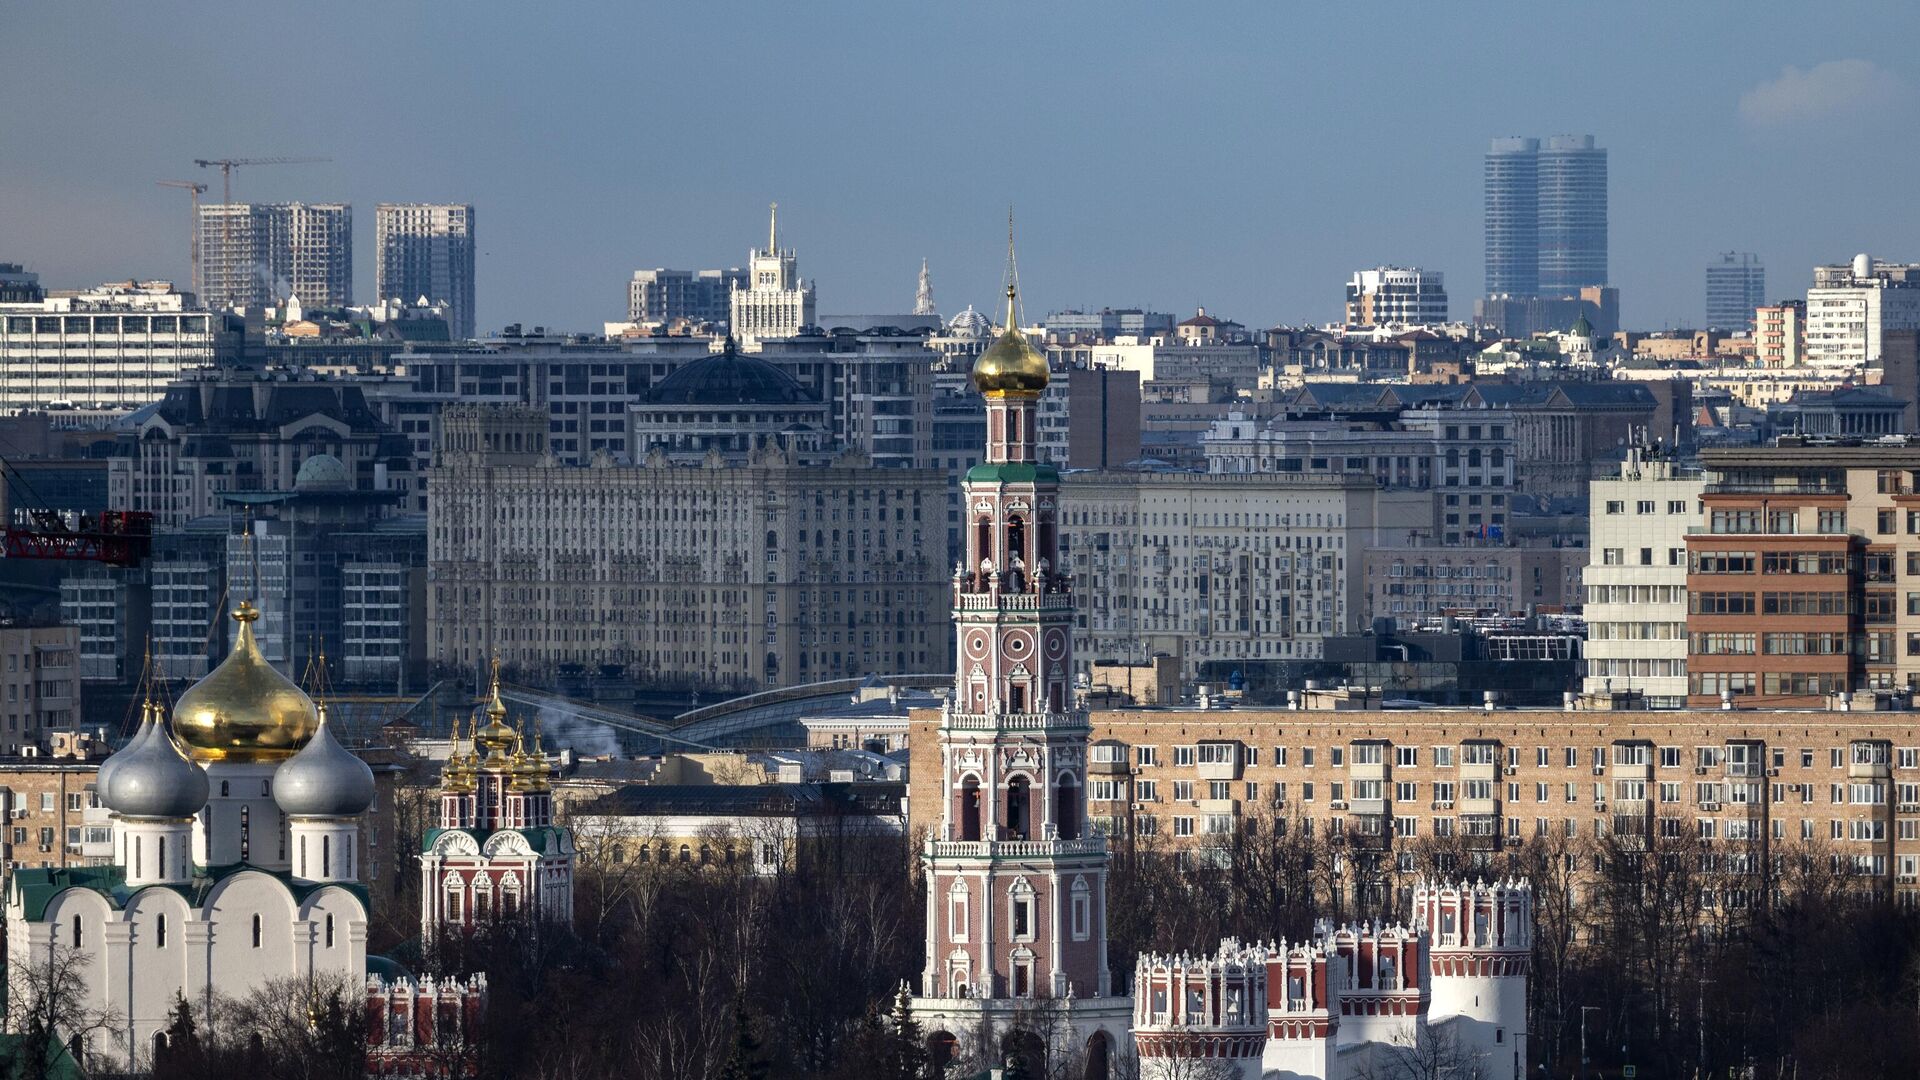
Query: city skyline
x,y
563,239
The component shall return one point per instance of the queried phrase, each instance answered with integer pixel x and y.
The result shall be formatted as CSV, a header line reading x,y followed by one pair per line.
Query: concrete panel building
x,y
427,250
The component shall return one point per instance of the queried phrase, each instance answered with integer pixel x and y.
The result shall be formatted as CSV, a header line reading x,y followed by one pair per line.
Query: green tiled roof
x,y
38,886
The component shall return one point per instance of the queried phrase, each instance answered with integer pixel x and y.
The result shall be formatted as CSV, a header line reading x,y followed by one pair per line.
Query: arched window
x,y
256,931
303,856
137,859
969,809
329,931
1082,909
160,865
1066,807
686,853
77,941
1019,808
326,856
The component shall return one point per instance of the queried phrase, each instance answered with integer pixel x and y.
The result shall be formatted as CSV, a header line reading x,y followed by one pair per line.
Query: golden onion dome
x,y
496,736
1011,366
244,710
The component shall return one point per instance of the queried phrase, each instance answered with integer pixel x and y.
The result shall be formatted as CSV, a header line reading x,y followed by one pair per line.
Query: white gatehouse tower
x,y
1016,883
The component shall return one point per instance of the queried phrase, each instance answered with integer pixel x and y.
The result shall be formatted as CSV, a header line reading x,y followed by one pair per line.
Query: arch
x,y
1017,539
969,809
942,1049
1066,806
1019,816
1025,1048
1099,1056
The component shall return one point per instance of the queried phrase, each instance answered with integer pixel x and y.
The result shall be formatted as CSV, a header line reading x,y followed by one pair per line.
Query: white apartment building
x,y
1636,580
256,254
1393,294
426,250
1224,566
117,345
775,302
1849,306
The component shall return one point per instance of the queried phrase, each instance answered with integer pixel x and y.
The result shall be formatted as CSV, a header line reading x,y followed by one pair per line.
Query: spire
x,y
1013,276
923,299
773,228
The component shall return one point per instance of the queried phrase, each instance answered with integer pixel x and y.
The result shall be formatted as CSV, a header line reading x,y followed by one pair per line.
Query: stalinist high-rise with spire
x,y
1016,883
775,302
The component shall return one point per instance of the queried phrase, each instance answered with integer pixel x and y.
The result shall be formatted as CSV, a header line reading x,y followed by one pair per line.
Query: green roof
x,y
59,1061
39,885
544,840
1012,473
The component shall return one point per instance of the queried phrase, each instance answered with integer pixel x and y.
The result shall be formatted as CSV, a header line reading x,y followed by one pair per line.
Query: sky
x,y
1244,157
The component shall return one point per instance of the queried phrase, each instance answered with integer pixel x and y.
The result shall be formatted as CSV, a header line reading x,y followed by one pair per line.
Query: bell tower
x,y
1016,880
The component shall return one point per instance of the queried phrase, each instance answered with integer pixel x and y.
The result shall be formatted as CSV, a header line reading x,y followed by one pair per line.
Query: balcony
x,y
1011,601
1017,849
1015,722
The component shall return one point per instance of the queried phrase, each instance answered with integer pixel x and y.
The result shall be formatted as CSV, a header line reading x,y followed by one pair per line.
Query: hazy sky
x,y
1245,157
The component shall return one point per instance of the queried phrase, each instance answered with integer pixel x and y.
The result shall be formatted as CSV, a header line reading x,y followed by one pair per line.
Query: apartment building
x,y
427,250
1223,566
118,345
1803,579
1477,783
1636,579
256,254
39,683
1852,304
53,817
733,578
1780,335
700,297
1389,295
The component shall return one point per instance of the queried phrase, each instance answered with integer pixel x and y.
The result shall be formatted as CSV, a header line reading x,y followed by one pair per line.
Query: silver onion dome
x,y
104,775
152,777
324,779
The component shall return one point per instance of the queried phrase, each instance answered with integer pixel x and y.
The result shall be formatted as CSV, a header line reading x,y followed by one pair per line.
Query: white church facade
x,y
235,832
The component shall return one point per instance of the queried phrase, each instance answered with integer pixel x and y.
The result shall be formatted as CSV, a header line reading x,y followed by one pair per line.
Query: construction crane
x,y
118,538
194,189
226,167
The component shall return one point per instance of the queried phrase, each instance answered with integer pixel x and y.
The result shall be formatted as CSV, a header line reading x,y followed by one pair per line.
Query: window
x,y
1183,826
1306,757
1368,753
1218,753
1443,757
256,931
1406,791
160,930
1147,755
1279,756
1339,756
1183,755
1406,756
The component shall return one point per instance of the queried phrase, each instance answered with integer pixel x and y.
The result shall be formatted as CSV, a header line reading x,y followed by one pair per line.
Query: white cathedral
x,y
235,862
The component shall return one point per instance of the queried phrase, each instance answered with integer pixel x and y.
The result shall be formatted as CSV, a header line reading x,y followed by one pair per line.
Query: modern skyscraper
x,y
1513,217
1573,214
1546,216
426,249
1736,285
254,254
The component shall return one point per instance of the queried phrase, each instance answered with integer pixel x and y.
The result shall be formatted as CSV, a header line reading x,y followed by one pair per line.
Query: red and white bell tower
x,y
1016,882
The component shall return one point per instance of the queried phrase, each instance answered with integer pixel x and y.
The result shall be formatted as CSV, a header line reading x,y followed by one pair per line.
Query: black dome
x,y
728,379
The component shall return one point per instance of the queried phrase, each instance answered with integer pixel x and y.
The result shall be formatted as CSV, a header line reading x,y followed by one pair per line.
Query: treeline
x,y
1685,956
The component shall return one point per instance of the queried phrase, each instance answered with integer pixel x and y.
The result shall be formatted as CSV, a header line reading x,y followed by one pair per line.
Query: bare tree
x,y
49,1001
1434,1053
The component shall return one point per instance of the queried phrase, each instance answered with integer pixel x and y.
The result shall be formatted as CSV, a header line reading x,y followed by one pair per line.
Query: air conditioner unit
x,y
1700,770
1599,770
1709,806
1338,804
1443,804
1279,804
1139,806
1600,807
